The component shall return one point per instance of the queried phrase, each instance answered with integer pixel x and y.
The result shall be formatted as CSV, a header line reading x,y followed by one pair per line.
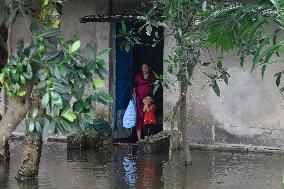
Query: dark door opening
x,y
128,65
153,56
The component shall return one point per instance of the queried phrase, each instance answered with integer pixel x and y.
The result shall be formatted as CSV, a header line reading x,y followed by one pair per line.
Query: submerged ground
x,y
121,167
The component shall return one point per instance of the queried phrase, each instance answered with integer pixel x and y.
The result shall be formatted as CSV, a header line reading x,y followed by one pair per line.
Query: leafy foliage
x,y
248,27
181,19
102,128
59,71
197,25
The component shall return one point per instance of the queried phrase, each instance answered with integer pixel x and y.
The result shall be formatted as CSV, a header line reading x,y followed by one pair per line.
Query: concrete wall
x,y
250,110
172,94
97,34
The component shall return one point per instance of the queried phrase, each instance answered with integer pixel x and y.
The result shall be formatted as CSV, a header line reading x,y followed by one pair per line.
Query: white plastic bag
x,y
130,115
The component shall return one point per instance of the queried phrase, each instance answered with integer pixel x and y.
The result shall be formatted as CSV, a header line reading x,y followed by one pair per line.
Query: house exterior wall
x,y
250,111
97,34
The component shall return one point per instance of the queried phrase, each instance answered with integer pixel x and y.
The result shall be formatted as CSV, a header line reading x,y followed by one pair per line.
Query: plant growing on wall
x,y
47,80
255,29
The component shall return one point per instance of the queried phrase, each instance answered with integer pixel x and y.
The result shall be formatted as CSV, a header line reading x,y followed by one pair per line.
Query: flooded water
x,y
121,167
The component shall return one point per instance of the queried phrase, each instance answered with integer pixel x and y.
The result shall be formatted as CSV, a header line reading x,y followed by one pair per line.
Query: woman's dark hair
x,y
145,64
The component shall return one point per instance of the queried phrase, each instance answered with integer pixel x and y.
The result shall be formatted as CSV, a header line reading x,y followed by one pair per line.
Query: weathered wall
x,y
250,110
97,34
172,94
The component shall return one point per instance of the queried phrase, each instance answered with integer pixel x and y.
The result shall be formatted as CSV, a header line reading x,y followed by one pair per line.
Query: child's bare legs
x,y
139,134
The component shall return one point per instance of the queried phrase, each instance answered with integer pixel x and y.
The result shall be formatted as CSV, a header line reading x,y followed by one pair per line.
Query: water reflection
x,y
28,184
4,173
129,165
121,167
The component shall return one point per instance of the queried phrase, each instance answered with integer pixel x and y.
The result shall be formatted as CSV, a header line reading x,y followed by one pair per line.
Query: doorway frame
x,y
113,78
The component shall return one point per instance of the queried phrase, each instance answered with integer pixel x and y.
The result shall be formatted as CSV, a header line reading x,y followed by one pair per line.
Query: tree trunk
x,y
4,174
4,152
32,147
14,115
173,119
183,123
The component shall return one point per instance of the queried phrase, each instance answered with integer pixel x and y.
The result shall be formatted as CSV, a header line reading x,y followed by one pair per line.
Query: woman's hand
x,y
134,92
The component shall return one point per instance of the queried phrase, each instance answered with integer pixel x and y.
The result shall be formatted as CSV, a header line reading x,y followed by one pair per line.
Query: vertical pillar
x,y
112,61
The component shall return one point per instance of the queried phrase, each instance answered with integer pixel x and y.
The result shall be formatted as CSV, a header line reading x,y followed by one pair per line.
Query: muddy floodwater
x,y
121,167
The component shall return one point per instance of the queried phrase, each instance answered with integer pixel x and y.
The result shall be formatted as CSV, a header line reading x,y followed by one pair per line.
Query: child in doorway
x,y
149,110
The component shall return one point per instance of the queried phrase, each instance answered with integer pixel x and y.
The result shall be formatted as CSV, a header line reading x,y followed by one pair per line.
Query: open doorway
x,y
128,65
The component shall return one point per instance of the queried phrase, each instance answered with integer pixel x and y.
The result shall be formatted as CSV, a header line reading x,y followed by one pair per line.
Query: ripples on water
x,y
121,167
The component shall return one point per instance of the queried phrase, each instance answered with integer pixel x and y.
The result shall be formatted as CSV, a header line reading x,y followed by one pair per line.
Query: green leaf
x,y
123,28
33,27
104,52
59,7
2,75
156,88
274,40
91,51
38,127
21,94
262,71
78,106
12,60
242,59
56,99
216,89
82,125
41,74
66,125
41,85
98,83
219,65
49,56
63,70
43,3
50,33
205,63
51,127
105,97
45,100
278,78
75,46
45,130
149,29
29,73
31,126
69,116
57,73
20,45
22,80
225,78
35,112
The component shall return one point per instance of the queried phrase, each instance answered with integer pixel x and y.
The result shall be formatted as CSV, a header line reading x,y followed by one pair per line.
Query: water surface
x,y
122,167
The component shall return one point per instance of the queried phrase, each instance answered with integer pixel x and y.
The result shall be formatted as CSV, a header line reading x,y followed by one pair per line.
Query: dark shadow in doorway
x,y
153,56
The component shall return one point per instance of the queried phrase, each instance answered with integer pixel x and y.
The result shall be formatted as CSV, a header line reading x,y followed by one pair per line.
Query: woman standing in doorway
x,y
143,86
